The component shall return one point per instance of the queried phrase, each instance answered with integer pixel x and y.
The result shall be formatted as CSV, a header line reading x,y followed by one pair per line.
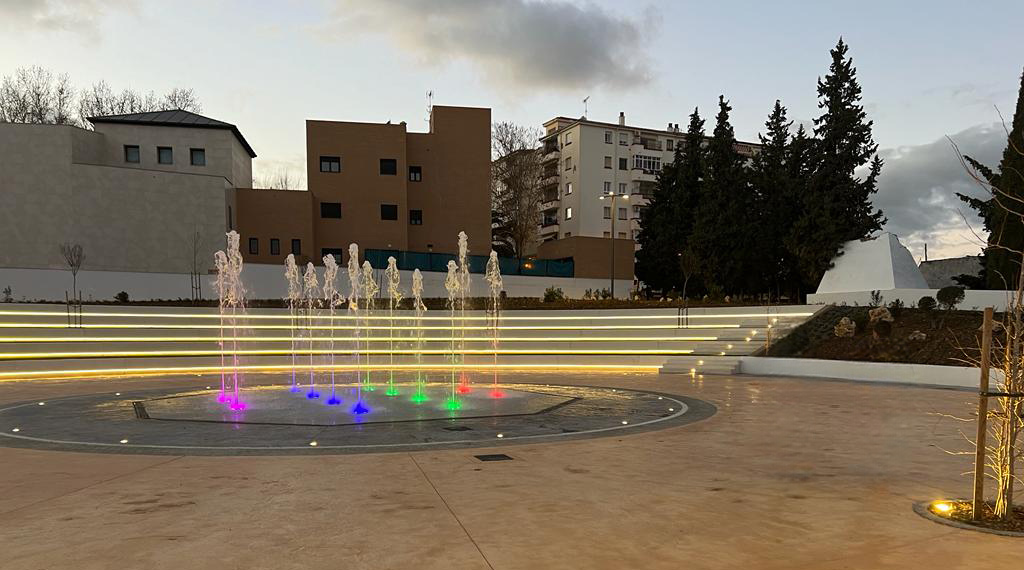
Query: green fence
x,y
410,260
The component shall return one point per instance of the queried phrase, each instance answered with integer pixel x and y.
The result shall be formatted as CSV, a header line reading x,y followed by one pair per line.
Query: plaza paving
x,y
787,474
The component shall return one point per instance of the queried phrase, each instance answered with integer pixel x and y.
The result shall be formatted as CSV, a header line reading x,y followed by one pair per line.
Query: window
x,y
415,173
275,246
231,219
622,187
622,235
131,153
568,234
607,162
197,156
415,217
388,166
568,163
623,164
607,187
649,164
164,155
389,211
330,210
623,213
608,137
335,251
254,246
568,188
330,164
568,213
568,138
296,247
606,234
668,144
623,139
607,212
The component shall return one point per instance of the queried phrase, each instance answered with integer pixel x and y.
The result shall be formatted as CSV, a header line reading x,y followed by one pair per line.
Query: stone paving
x,y
787,474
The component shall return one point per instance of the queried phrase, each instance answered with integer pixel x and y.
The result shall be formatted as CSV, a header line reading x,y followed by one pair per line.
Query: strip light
x,y
427,351
45,339
408,317
338,328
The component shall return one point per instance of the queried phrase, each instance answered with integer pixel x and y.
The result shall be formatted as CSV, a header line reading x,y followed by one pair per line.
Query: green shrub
x,y
926,303
876,298
896,308
551,294
121,297
949,297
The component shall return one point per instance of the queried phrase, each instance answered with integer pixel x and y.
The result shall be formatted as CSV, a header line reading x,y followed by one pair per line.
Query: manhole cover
x,y
493,457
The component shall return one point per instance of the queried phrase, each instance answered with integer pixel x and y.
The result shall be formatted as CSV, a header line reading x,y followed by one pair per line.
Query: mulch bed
x,y
961,512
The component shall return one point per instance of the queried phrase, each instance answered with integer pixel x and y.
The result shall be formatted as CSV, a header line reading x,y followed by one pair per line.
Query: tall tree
x,y
667,221
837,202
1002,210
774,191
515,188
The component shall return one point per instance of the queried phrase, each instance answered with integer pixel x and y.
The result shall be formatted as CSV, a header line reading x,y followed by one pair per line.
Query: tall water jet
x,y
231,301
451,284
417,296
392,276
370,290
332,299
220,261
464,278
310,293
291,273
355,281
493,278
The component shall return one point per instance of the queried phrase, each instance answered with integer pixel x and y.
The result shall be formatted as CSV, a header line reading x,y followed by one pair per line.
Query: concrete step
x,y
695,365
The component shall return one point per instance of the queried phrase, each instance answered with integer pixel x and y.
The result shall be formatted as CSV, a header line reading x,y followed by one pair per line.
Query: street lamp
x,y
611,196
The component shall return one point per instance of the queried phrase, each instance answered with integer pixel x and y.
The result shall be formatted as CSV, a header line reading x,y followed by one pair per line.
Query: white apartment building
x,y
583,160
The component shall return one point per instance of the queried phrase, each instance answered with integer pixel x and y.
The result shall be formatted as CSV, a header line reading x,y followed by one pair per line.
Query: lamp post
x,y
613,197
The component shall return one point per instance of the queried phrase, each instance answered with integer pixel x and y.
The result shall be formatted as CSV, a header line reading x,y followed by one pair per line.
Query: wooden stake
x,y
980,447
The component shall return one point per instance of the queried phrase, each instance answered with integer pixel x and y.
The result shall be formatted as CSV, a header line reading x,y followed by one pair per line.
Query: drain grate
x,y
140,410
457,428
493,457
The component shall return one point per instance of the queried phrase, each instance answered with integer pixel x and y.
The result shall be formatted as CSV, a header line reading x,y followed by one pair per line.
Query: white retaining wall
x,y
973,299
888,372
262,281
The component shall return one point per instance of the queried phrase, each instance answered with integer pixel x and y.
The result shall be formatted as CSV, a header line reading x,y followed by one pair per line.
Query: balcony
x,y
648,144
642,175
549,222
644,189
549,200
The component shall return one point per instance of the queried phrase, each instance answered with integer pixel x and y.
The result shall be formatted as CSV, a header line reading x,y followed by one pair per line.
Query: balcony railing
x,y
649,144
548,222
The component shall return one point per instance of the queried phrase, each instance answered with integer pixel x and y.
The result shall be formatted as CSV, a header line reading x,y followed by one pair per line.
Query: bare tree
x,y
281,179
35,95
99,99
73,256
196,243
515,185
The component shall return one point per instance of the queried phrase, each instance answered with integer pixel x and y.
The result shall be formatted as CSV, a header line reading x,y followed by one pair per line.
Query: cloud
x,y
79,16
517,44
917,191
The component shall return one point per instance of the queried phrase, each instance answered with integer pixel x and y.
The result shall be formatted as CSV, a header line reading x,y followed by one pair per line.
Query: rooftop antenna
x,y
585,99
430,105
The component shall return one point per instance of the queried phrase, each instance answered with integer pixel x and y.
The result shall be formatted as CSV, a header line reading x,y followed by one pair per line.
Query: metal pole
x,y
613,245
979,451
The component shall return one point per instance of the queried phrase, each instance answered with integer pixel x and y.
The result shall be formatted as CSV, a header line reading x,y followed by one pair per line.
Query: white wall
x,y
973,299
888,372
262,282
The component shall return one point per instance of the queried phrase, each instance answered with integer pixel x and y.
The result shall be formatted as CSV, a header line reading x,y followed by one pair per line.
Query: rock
x,y
880,314
917,335
845,328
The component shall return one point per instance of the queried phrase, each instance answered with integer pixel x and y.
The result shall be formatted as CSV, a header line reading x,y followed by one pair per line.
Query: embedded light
x,y
207,387
753,333
693,371
728,346
312,444
624,422
124,441
943,507
501,435
659,397
721,353
16,430
700,362
775,320
747,339
671,409
42,403
117,393
701,376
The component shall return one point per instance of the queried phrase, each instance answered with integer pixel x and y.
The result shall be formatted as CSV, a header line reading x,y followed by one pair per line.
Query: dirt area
x,y
952,338
962,512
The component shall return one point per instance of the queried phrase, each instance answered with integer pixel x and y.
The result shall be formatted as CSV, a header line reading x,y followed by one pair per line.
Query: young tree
x,y
515,186
836,204
73,256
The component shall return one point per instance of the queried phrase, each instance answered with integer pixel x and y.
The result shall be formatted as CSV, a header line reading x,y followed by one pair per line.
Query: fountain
x,y
355,280
392,276
463,276
310,293
493,278
291,273
417,296
370,290
451,284
332,299
231,301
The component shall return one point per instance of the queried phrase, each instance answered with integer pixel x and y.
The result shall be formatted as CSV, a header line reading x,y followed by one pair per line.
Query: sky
x,y
931,71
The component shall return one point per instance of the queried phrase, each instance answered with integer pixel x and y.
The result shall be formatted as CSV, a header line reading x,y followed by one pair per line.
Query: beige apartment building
x,y
133,193
582,160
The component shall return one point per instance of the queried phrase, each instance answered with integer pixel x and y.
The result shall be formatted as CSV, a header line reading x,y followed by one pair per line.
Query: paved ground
x,y
788,474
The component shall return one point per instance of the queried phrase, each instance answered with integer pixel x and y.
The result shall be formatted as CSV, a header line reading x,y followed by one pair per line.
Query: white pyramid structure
x,y
877,263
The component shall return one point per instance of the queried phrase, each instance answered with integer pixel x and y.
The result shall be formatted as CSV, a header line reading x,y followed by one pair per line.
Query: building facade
x,y
583,160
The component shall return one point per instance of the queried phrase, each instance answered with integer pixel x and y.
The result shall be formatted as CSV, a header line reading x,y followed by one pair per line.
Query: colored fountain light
x,y
309,292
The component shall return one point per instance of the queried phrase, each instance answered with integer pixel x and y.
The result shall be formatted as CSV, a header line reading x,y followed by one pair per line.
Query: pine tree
x,y
837,203
1003,212
667,221
774,191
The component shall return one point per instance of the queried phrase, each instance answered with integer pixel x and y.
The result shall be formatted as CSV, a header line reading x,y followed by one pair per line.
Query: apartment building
x,y
380,186
134,192
583,160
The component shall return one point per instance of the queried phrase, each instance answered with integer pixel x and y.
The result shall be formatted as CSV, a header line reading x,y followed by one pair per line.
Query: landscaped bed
x,y
951,338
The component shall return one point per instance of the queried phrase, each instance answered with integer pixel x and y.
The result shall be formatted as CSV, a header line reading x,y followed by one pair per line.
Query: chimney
x,y
622,119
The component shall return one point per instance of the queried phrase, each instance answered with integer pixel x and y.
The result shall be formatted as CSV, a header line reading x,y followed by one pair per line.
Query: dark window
x,y
197,156
330,164
275,246
623,164
231,219
389,211
164,155
415,173
330,210
335,251
415,217
131,153
389,166
254,246
297,246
